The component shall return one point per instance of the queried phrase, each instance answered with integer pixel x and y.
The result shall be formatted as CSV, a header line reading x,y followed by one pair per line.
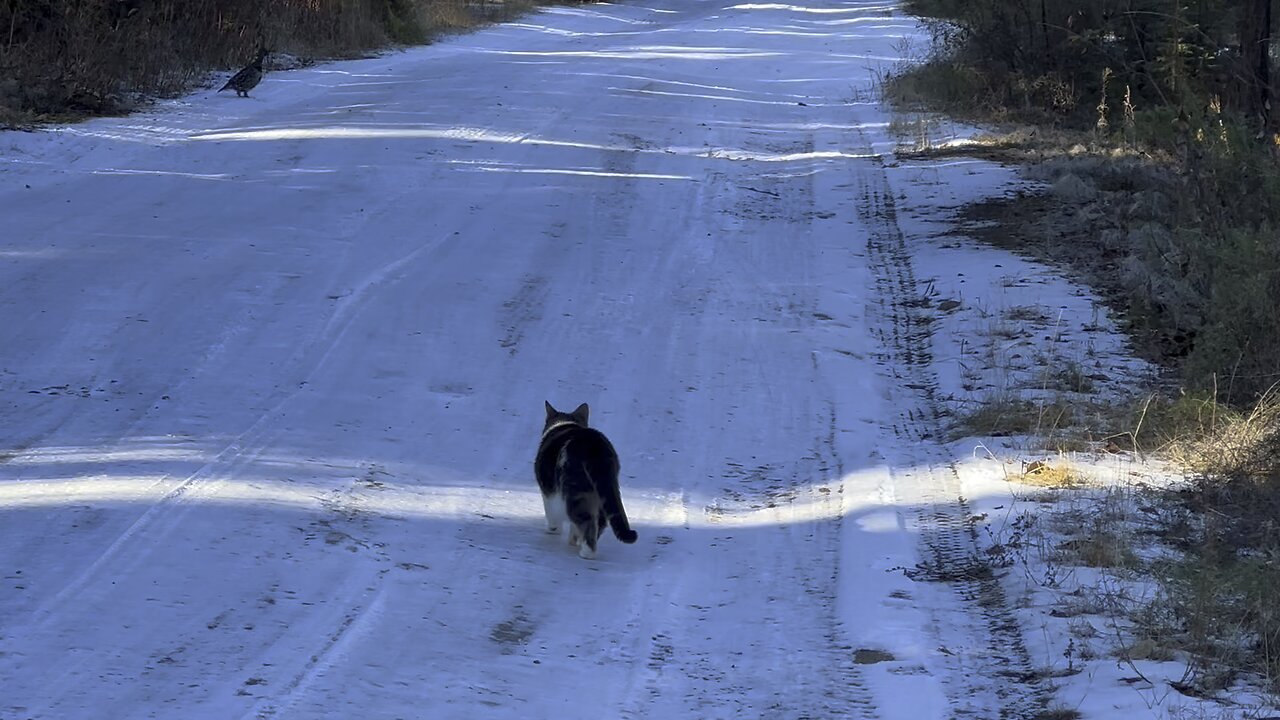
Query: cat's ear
x,y
551,412
581,414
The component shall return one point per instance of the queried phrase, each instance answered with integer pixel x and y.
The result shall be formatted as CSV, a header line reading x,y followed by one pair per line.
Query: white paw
x,y
586,553
553,529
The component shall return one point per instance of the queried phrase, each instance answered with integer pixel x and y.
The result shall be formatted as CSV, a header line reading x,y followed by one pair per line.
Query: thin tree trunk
x,y
1255,43
1264,65
1044,33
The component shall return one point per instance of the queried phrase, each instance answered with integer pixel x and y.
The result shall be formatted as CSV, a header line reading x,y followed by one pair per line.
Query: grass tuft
x,y
1058,713
1042,474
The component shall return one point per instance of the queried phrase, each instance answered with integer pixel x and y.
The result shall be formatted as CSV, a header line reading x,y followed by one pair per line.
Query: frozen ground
x,y
272,375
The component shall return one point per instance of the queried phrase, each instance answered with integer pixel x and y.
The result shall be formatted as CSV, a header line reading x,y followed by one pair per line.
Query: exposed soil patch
x,y
871,656
513,632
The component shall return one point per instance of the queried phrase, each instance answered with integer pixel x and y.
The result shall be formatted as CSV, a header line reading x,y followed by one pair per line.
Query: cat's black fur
x,y
577,470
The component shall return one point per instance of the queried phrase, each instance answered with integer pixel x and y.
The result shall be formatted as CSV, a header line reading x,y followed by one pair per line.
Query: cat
x,y
577,471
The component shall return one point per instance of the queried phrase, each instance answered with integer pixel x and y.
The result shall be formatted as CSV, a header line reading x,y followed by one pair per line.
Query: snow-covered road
x,y
273,373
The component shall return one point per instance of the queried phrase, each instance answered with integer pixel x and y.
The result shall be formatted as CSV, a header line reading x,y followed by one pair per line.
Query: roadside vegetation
x,y
68,59
1157,119
1154,128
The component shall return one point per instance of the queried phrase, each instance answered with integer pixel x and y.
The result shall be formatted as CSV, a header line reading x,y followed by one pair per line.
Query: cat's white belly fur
x,y
557,515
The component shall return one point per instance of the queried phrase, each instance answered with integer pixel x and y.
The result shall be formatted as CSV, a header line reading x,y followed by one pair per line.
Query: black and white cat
x,y
577,471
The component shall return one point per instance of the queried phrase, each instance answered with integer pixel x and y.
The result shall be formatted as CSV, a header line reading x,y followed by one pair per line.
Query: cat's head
x,y
555,417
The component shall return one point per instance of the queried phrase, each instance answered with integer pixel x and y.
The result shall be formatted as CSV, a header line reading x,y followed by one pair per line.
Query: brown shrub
x,y
70,58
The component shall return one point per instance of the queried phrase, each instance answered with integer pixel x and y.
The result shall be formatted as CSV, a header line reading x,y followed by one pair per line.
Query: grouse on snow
x,y
248,77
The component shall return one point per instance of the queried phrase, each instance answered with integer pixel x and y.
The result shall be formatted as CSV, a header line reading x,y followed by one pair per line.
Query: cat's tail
x,y
612,502
618,521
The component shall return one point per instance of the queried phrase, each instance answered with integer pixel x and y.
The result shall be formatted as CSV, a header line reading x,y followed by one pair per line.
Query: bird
x,y
248,77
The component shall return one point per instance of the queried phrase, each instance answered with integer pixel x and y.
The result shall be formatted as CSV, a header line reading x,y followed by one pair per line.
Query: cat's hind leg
x,y
583,510
587,528
587,549
553,507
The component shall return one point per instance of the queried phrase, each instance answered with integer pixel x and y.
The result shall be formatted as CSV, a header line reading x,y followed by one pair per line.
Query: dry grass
x,y
1146,648
1058,415
915,132
1097,531
1024,380
1057,713
1217,597
1027,314
1066,377
1231,444
1005,413
1099,548
1058,476
1209,546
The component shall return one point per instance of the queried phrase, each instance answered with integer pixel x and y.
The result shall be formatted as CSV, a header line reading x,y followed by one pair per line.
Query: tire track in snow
x,y
998,681
160,518
522,310
133,547
791,499
794,613
355,622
